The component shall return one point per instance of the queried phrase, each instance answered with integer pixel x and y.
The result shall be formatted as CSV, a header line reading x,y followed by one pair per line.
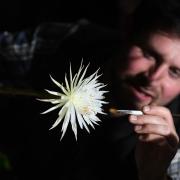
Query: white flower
x,y
80,101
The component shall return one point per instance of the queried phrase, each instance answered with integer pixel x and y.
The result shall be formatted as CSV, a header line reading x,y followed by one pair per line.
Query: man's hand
x,y
158,142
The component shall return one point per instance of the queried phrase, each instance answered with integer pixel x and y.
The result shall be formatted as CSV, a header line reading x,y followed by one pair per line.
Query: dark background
x,y
18,14
27,149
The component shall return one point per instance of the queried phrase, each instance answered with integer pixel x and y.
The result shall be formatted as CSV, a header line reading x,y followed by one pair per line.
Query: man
x,y
148,80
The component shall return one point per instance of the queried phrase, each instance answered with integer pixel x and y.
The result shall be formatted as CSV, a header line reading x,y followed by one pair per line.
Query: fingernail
x,y
146,108
133,117
137,128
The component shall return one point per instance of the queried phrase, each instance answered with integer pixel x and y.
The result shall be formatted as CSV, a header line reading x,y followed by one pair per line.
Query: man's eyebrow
x,y
156,54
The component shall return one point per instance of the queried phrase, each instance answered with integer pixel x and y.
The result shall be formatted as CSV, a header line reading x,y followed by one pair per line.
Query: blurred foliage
x,y
4,163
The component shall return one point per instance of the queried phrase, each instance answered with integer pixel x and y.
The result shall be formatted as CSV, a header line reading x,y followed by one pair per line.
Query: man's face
x,y
152,74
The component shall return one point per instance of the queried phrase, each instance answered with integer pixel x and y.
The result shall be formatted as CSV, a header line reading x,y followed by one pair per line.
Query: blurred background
x,y
18,14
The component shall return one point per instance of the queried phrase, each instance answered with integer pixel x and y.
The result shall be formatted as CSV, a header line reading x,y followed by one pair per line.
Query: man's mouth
x,y
139,89
142,93
146,91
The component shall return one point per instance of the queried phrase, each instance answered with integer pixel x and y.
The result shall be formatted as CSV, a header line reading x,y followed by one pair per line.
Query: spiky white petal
x,y
80,101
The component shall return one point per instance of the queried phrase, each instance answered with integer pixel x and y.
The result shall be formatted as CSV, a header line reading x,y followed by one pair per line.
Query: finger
x,y
146,119
152,132
171,140
152,138
165,114
162,130
158,111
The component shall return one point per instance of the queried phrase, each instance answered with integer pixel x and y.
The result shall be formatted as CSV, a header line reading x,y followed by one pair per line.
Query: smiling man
x,y
146,76
152,74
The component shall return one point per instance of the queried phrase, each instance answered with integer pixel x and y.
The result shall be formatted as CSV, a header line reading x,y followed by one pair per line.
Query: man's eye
x,y
145,53
174,72
148,55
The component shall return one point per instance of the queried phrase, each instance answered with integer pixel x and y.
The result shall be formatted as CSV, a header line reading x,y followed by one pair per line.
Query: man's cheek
x,y
170,95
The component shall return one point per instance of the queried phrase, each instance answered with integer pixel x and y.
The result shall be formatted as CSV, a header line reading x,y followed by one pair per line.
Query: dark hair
x,y
157,15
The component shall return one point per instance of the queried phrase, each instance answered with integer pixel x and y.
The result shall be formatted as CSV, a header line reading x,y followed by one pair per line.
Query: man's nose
x,y
158,72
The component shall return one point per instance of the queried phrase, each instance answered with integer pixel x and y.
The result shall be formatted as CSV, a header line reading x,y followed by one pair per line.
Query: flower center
x,y
81,101
85,110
